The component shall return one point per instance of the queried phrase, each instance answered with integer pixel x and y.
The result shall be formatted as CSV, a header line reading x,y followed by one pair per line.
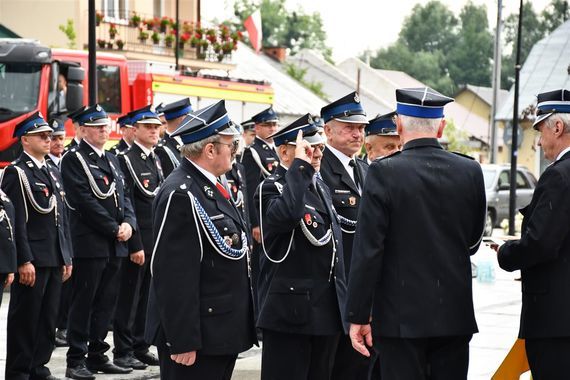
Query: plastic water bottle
x,y
486,267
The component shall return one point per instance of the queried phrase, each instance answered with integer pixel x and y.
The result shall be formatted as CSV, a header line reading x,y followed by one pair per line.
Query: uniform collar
x,y
212,178
422,142
39,164
55,159
561,154
269,144
97,151
145,150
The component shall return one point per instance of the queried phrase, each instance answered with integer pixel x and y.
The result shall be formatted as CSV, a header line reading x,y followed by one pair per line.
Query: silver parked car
x,y
497,185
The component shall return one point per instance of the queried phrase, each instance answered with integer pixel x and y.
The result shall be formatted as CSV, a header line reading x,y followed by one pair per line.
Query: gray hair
x,y
564,118
417,124
194,150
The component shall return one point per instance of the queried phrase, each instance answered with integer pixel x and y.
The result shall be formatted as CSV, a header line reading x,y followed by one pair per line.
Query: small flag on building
x,y
253,26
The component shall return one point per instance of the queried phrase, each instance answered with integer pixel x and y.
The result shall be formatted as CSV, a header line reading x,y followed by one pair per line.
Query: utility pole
x,y
514,146
92,79
496,82
177,42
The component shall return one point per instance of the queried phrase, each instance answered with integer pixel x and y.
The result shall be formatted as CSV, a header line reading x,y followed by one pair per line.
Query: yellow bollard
x,y
514,364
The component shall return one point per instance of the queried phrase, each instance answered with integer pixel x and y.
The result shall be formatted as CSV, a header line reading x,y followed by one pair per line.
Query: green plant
x,y
169,39
69,31
112,31
155,38
120,44
98,18
135,20
101,43
143,36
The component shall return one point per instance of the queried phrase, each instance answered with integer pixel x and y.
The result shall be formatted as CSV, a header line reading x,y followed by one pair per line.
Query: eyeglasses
x,y
320,147
233,146
44,136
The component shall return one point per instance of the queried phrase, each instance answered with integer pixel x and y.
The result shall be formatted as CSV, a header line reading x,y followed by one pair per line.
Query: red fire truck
x,y
29,74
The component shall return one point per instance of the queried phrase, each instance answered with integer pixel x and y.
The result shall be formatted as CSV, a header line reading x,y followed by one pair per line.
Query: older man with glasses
x,y
43,253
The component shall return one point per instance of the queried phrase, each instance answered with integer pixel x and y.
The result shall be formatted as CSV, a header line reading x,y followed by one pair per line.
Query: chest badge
x,y
308,219
270,166
46,191
145,182
209,192
143,156
106,180
352,201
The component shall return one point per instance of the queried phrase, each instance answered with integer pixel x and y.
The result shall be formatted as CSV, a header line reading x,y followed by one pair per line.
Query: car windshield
x,y
19,87
489,177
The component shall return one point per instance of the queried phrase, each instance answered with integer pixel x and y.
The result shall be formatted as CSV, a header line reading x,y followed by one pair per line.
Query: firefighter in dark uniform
x,y
200,307
43,252
77,138
143,176
421,216
168,148
381,137
344,174
260,160
103,221
54,157
302,282
128,134
543,252
7,243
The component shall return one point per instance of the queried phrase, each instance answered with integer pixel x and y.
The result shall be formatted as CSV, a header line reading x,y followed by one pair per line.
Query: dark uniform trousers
x,y
98,254
199,300
258,160
301,295
142,173
349,364
421,324
543,257
40,240
7,244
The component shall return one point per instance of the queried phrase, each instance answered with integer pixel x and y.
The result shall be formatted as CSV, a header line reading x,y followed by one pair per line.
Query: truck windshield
x,y
19,88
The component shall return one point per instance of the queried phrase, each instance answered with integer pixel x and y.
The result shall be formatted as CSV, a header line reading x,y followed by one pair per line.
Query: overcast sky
x,y
356,25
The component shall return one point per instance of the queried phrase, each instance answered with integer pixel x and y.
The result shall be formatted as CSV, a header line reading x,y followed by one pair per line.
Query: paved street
x,y
497,307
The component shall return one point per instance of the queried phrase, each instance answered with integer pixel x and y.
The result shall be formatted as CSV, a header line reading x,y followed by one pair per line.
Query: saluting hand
x,y
27,274
137,257
187,358
359,335
303,149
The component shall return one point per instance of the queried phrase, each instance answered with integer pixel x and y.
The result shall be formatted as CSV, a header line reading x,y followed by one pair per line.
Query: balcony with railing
x,y
146,37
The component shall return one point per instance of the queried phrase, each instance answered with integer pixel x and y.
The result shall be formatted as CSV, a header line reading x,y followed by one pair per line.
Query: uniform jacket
x,y
421,217
119,147
543,255
297,291
345,197
199,299
238,188
143,175
258,165
7,238
40,238
95,221
168,150
71,144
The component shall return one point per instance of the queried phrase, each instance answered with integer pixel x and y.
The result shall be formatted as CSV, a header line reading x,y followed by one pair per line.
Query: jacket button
x,y
210,310
302,167
292,289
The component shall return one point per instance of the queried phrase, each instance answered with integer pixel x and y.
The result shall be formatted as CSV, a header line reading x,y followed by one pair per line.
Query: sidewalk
x,y
497,306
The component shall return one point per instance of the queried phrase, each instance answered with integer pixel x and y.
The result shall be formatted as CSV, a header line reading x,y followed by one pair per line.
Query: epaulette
x,y
74,148
16,161
123,152
388,156
160,144
464,155
187,182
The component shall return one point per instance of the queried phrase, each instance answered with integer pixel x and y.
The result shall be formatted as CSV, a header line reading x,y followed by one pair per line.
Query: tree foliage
x,y
69,31
295,30
445,51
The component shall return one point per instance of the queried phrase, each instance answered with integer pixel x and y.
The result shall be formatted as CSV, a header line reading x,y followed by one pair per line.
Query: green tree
x,y
469,60
532,32
69,31
430,27
555,14
295,30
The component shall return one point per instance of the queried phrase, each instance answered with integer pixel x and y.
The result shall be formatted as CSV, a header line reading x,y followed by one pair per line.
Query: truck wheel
x,y
489,223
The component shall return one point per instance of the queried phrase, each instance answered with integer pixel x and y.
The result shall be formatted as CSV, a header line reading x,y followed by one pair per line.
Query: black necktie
x,y
45,170
356,173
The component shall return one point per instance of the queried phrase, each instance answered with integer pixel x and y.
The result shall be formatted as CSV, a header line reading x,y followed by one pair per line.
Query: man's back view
x,y
422,216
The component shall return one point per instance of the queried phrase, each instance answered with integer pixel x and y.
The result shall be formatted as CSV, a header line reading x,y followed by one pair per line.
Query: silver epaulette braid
x,y
28,190
214,236
312,239
4,215
149,194
172,156
94,187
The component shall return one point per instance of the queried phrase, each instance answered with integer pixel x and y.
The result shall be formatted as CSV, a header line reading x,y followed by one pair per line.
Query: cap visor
x,y
43,128
540,119
147,121
386,134
229,131
97,123
58,133
313,140
360,119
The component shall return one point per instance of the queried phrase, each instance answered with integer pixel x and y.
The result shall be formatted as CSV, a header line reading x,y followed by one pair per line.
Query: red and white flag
x,y
253,26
